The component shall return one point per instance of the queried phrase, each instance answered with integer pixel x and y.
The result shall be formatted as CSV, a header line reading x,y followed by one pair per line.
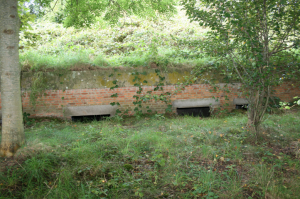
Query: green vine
x,y
38,87
142,98
39,84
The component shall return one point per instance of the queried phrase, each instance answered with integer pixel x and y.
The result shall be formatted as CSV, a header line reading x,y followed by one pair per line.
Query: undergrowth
x,y
133,42
156,157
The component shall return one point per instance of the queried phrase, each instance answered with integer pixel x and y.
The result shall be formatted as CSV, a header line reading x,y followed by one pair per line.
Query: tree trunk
x,y
253,120
254,111
12,119
258,106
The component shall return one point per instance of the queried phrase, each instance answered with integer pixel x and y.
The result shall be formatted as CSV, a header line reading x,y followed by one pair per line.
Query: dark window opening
x,y
89,118
241,106
195,111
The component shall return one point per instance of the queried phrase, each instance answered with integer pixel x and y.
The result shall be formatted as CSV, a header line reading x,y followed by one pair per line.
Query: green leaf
x,y
114,95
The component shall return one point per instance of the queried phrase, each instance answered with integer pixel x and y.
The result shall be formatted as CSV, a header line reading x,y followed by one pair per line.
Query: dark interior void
x,y
241,106
195,111
89,118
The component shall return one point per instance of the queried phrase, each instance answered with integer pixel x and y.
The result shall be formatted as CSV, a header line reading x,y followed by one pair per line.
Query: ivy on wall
x,y
141,98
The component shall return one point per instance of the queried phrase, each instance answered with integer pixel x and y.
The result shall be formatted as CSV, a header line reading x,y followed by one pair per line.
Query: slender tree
x,y
251,37
12,119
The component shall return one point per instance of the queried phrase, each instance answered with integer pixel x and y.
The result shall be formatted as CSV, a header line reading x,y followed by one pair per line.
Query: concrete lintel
x,y
189,103
240,101
90,110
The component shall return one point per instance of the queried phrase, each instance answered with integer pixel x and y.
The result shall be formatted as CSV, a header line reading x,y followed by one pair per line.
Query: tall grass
x,y
156,157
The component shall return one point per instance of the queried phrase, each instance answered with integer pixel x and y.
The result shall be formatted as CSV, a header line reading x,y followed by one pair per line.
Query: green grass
x,y
156,157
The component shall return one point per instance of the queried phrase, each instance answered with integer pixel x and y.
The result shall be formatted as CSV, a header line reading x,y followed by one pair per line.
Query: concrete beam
x,y
90,110
190,103
240,101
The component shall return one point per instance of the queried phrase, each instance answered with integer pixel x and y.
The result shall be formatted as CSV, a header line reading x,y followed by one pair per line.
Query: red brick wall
x,y
55,100
287,91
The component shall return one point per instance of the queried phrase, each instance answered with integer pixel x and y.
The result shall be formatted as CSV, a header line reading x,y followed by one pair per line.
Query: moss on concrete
x,y
123,77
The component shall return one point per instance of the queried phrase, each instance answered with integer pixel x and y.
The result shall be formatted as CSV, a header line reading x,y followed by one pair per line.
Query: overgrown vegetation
x,y
144,157
132,42
156,157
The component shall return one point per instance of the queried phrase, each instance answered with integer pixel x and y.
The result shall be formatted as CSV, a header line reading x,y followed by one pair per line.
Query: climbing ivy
x,y
141,98
39,84
38,87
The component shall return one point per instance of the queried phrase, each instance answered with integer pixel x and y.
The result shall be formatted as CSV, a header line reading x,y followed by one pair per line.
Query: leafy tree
x,y
256,40
81,13
77,13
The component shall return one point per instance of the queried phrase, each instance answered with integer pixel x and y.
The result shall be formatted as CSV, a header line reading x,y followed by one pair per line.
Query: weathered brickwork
x,y
54,102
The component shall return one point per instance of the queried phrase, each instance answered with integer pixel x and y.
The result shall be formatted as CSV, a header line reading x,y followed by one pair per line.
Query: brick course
x,y
54,101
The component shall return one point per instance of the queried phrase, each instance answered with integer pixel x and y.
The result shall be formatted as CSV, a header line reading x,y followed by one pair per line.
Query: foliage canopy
x,y
84,13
